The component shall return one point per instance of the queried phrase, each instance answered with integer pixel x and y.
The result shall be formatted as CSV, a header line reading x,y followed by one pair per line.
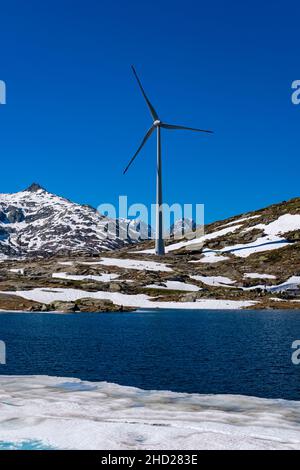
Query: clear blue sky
x,y
74,115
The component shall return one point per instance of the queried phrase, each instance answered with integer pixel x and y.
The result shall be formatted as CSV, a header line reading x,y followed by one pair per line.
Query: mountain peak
x,y
34,187
35,223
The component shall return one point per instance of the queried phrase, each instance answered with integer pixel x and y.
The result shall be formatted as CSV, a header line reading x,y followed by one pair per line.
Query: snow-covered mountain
x,y
182,227
35,222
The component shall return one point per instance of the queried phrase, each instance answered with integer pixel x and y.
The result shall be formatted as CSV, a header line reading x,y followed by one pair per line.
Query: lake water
x,y
207,352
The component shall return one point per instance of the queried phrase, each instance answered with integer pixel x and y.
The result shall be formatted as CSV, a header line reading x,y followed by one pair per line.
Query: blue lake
x,y
236,352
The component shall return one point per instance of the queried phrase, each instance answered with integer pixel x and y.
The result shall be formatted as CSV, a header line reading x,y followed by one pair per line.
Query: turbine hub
x,y
156,123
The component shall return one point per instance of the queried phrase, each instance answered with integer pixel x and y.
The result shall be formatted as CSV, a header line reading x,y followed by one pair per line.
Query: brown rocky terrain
x,y
186,274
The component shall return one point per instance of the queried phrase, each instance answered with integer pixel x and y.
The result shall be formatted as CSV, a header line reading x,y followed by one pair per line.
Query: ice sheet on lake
x,y
70,414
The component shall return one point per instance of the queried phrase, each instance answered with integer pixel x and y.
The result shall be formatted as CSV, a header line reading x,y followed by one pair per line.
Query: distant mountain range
x,y
37,223
251,260
182,227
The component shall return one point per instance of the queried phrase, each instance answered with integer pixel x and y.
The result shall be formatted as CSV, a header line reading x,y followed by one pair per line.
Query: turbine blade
x,y
151,109
140,147
171,126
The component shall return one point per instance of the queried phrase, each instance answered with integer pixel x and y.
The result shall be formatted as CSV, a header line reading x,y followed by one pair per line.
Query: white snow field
x,y
210,257
271,240
291,283
239,221
175,285
47,296
131,264
258,276
66,413
220,281
104,277
285,223
195,241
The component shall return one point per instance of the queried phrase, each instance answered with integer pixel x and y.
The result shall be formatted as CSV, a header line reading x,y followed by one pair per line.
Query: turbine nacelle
x,y
157,123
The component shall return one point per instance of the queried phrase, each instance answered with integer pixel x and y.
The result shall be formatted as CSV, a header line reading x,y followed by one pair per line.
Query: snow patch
x,y
214,280
292,283
243,250
131,264
285,223
196,241
239,221
175,285
258,276
17,271
210,257
74,277
47,296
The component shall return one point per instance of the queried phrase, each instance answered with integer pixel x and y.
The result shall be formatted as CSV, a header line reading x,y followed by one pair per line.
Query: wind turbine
x,y
157,124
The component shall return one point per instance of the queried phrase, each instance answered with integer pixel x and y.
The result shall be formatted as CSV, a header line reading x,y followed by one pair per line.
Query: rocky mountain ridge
x,y
248,261
36,223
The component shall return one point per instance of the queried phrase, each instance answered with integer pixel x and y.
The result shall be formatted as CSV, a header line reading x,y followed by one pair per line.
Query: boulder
x,y
99,305
115,287
190,297
60,306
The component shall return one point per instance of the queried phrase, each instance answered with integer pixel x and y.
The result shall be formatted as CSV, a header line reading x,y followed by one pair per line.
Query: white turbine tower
x,y
157,124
